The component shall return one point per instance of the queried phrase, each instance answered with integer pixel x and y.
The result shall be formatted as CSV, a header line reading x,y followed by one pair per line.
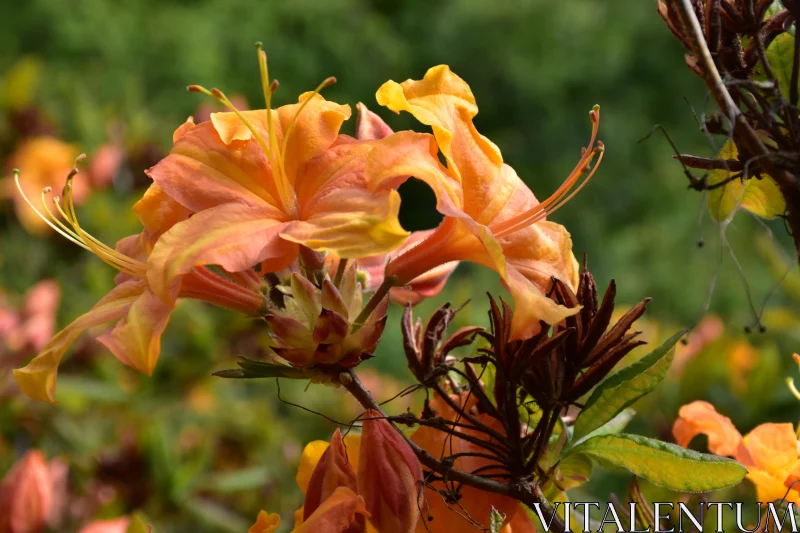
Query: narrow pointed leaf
x,y
664,464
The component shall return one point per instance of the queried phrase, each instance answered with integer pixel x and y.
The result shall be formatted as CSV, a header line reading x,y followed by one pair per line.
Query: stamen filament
x,y
76,235
556,200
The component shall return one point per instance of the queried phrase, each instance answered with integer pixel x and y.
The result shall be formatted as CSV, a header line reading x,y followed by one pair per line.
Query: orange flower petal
x,y
701,417
136,338
201,171
336,514
265,523
38,378
158,212
770,454
234,236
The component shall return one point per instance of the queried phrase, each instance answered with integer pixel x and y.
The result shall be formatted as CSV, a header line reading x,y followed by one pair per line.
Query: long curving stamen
x,y
565,192
76,235
327,82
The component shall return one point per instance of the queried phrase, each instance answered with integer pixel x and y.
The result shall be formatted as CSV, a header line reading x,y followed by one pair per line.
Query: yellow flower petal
x,y
136,338
38,378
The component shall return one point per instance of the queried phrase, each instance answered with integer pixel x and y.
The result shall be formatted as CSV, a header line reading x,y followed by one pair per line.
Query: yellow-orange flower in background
x,y
769,451
140,315
260,183
491,217
44,161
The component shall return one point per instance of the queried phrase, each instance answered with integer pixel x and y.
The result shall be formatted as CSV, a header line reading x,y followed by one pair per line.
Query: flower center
x,y
274,152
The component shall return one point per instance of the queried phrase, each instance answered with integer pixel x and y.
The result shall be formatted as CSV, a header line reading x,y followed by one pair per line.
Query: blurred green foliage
x,y
214,452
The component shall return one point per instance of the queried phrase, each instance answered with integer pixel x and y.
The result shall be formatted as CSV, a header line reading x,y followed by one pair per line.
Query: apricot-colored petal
x,y
234,236
332,471
771,448
370,126
265,523
389,477
158,212
701,417
136,338
531,305
351,223
445,102
315,129
201,171
336,513
38,378
404,154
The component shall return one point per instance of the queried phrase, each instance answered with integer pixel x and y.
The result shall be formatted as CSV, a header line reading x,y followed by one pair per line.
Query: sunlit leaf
x,y
780,56
625,387
759,194
664,464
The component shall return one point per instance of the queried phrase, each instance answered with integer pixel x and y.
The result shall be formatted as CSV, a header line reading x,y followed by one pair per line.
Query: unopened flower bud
x,y
332,471
25,495
389,477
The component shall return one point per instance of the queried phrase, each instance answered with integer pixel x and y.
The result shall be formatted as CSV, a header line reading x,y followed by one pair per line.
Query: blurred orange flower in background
x,y
45,162
769,451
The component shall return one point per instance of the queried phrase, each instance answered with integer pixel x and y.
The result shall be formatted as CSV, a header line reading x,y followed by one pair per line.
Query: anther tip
x,y
259,45
329,81
217,93
600,146
80,158
47,190
15,171
193,88
274,86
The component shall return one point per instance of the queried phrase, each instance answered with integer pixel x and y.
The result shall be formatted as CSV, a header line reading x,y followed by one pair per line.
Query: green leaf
x,y
574,470
612,427
496,520
758,194
625,387
780,56
138,525
664,464
252,369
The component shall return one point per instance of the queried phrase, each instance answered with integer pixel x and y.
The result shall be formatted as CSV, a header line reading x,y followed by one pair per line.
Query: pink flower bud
x,y
389,477
25,495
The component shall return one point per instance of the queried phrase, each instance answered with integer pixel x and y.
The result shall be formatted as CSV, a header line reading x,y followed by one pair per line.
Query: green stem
x,y
377,297
337,278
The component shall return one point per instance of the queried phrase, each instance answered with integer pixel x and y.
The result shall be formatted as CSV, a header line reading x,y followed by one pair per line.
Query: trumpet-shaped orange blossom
x,y
139,314
769,451
491,217
263,182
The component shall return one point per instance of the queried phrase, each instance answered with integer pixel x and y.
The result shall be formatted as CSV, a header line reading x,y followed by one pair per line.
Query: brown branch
x,y
528,494
742,131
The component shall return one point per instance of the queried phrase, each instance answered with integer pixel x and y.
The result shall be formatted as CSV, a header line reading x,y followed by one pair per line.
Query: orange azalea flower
x,y
44,161
474,504
263,182
139,314
369,482
491,217
115,525
769,452
32,494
